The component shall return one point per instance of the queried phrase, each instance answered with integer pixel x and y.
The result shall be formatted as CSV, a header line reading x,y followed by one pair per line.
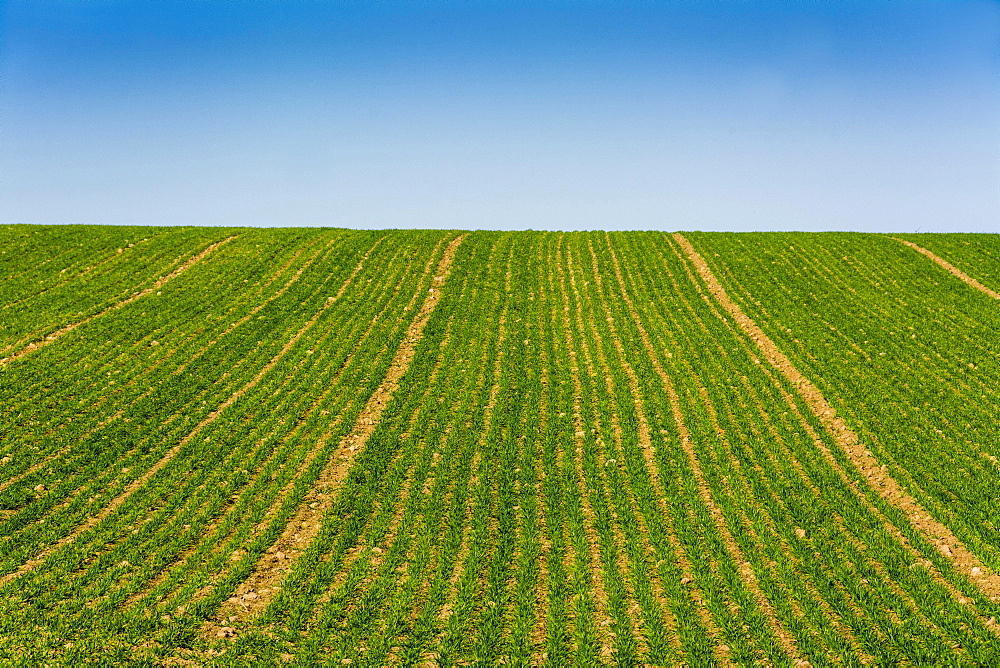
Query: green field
x,y
302,446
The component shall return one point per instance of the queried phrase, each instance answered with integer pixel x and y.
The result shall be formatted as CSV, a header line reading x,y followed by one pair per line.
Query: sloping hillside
x,y
370,447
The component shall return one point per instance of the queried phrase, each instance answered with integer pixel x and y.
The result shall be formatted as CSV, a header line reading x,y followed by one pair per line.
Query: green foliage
x,y
585,460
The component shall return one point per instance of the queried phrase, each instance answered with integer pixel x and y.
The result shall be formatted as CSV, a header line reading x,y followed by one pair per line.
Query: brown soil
x,y
314,451
950,268
830,614
273,554
58,334
878,478
259,589
919,559
773,434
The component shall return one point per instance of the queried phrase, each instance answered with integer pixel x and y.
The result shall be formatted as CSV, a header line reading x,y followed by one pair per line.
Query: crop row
x,y
977,255
535,448
917,375
619,478
93,272
126,503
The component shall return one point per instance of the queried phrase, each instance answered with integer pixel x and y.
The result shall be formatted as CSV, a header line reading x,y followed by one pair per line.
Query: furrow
x,y
449,589
304,463
800,589
373,595
660,613
391,502
298,467
721,652
876,567
286,394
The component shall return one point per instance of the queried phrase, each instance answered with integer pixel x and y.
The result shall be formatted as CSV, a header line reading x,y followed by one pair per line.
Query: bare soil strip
x,y
878,478
210,628
774,435
386,503
397,504
184,365
889,525
305,524
244,593
125,494
950,268
58,334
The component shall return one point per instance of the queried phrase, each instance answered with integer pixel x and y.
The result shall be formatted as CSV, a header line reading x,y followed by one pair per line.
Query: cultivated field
x,y
303,446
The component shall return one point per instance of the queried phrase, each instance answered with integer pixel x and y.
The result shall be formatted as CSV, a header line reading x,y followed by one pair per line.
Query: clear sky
x,y
740,115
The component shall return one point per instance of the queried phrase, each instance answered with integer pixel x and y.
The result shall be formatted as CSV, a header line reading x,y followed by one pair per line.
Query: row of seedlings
x,y
978,255
94,464
917,377
30,318
58,404
336,595
321,292
43,258
89,446
776,495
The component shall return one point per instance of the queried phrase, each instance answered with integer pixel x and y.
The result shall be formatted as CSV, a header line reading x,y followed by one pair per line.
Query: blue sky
x,y
740,115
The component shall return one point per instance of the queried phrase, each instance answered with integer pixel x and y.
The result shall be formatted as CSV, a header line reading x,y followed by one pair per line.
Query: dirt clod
x,y
226,632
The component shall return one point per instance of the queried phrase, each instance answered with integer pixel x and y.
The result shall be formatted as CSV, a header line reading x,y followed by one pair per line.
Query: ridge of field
x,y
584,459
